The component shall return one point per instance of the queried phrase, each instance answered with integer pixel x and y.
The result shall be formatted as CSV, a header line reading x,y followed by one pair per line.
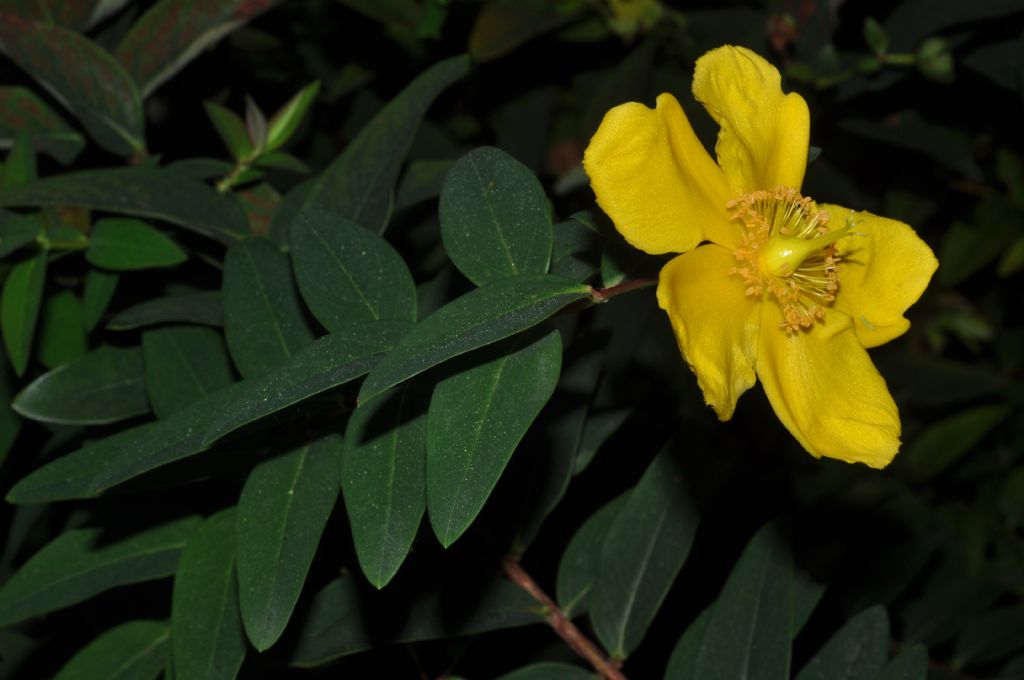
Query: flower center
x,y
789,252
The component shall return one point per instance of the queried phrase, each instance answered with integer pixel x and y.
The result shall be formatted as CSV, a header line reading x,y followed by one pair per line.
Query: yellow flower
x,y
631,16
786,290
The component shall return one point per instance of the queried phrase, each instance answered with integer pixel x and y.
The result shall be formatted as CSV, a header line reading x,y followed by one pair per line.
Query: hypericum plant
x,y
370,396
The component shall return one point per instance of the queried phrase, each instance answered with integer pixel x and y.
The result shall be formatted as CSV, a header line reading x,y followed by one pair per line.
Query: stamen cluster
x,y
773,220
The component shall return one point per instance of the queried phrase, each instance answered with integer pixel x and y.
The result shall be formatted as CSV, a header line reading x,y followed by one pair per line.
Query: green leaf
x,y
283,124
10,422
947,440
231,129
579,564
485,315
183,364
858,650
504,25
171,34
83,77
576,248
282,513
332,360
384,480
421,181
19,308
98,292
20,167
136,650
347,274
494,217
329,362
645,548
61,330
203,308
81,563
989,636
683,661
23,112
359,184
17,231
476,419
750,627
140,191
207,639
263,320
549,671
104,386
910,664
344,619
123,244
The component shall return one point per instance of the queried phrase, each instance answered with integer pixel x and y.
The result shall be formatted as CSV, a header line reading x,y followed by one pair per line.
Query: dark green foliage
x,y
320,359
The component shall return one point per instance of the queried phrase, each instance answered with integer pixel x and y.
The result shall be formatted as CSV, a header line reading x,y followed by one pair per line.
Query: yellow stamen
x,y
789,252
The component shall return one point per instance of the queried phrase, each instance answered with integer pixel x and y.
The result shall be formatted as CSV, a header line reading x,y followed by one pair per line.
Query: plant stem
x,y
603,294
566,629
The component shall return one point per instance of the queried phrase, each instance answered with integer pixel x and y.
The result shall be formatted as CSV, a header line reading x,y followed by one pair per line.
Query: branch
x,y
604,294
566,629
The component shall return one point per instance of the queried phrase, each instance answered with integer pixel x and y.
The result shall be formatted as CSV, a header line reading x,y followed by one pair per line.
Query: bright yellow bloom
x,y
787,290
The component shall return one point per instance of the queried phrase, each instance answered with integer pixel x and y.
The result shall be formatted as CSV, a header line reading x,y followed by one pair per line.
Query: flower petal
x,y
765,134
885,268
715,323
656,181
826,391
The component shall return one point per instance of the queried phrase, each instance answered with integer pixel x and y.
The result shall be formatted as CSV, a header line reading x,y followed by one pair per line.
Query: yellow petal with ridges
x,y
715,323
885,268
764,133
656,181
825,390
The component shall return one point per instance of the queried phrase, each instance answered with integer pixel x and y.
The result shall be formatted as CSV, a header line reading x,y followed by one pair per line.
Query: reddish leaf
x,y
174,32
82,76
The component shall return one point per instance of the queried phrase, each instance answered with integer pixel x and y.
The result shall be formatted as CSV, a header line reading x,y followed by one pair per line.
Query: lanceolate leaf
x,y
183,365
582,558
82,76
483,316
99,291
383,477
140,191
331,361
282,512
203,308
207,640
344,619
347,274
81,563
910,664
173,33
19,308
359,184
475,422
504,25
858,650
23,112
133,650
104,386
643,551
126,244
263,320
549,671
750,629
17,231
61,330
494,217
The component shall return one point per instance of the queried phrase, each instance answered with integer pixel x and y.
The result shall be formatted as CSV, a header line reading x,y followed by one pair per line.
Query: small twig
x,y
602,294
566,629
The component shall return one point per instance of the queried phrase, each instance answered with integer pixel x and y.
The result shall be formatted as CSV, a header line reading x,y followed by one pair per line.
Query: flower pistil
x,y
788,250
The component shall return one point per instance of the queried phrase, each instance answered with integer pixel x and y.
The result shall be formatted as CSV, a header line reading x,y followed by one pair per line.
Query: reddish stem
x,y
603,294
566,629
